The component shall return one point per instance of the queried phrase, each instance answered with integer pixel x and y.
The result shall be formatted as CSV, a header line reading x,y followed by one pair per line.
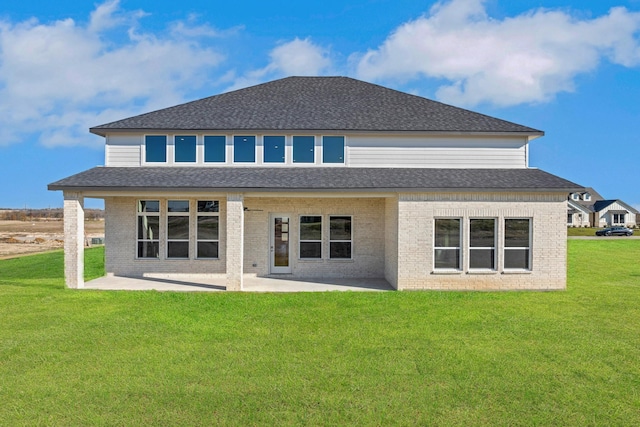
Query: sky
x,y
569,68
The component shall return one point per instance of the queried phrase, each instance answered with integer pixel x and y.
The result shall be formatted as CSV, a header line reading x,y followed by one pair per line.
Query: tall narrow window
x,y
310,236
340,240
185,148
303,149
178,229
244,149
215,147
333,149
447,243
155,148
517,243
482,243
208,228
148,228
273,149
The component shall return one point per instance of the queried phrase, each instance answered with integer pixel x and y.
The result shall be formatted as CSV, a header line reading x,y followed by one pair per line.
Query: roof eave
x,y
531,135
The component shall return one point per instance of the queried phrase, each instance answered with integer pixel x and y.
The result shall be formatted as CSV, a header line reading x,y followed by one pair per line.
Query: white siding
x,y
437,152
360,151
123,150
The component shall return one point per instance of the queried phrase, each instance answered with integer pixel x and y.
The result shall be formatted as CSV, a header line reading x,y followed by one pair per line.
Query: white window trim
x,y
188,239
256,153
300,240
143,150
459,248
494,247
331,240
530,247
148,214
197,240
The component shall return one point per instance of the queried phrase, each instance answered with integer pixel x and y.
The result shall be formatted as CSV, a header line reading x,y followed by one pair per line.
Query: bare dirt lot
x,y
26,237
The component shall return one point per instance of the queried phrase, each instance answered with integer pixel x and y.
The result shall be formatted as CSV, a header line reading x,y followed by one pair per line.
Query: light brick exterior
x,y
416,216
392,238
74,239
120,241
235,241
367,234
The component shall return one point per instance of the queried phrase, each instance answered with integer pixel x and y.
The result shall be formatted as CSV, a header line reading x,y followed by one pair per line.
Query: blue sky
x,y
569,68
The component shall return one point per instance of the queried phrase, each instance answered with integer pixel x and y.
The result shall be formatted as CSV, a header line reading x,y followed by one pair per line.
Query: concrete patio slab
x,y
251,284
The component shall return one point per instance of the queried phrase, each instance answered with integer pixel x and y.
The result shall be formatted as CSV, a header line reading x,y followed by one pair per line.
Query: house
x,y
318,177
589,209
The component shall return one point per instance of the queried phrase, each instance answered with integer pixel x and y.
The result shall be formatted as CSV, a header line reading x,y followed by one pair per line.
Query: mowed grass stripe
x,y
337,358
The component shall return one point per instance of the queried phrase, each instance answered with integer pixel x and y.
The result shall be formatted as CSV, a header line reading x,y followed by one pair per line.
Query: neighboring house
x,y
312,177
590,209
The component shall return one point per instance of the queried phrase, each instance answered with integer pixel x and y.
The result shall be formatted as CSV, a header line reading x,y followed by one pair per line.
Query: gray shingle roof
x,y
316,103
313,178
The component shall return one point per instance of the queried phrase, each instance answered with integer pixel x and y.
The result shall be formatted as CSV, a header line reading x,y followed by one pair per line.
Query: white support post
x,y
235,241
74,239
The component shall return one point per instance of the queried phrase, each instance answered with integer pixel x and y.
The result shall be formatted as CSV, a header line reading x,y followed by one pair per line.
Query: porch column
x,y
74,239
235,241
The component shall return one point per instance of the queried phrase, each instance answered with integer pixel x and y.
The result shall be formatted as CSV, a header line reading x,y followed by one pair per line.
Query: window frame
x,y
146,142
194,150
301,240
146,214
207,214
476,249
327,138
617,217
169,214
529,248
211,139
448,248
283,150
301,150
235,152
350,240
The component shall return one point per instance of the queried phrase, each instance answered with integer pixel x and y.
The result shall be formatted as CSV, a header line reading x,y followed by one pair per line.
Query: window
x,y
618,218
311,236
303,147
517,243
244,149
333,149
155,148
340,237
586,196
215,147
178,229
569,218
185,148
273,149
148,234
208,226
482,243
447,243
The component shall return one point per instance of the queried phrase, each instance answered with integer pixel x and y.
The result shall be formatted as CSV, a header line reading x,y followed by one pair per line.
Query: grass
x,y
399,358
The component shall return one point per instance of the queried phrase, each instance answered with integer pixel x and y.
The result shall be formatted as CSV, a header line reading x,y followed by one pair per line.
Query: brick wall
x,y
416,214
120,242
368,234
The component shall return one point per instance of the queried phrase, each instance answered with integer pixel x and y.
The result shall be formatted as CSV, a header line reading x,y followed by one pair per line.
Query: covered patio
x,y
251,283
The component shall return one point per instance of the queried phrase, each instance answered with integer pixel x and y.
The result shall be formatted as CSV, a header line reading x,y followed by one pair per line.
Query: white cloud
x,y
298,57
524,59
59,78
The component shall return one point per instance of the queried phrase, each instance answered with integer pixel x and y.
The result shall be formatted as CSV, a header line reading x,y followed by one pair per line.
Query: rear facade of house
x,y
323,177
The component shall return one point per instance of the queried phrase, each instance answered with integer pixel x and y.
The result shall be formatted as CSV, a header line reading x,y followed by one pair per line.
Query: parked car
x,y
614,231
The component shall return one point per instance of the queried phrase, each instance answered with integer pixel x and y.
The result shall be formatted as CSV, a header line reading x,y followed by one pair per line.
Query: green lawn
x,y
84,358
